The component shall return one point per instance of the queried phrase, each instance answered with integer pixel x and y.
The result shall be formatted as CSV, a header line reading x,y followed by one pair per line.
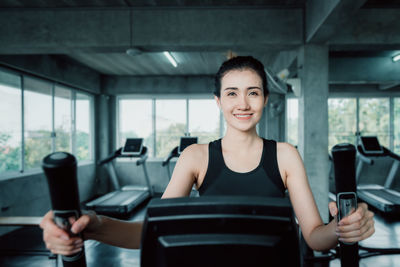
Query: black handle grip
x,y
344,160
61,173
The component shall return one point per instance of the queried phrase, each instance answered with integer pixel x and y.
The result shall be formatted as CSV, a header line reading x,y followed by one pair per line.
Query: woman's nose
x,y
243,103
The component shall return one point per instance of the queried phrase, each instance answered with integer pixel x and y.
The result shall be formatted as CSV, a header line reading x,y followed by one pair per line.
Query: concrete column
x,y
102,136
112,123
313,121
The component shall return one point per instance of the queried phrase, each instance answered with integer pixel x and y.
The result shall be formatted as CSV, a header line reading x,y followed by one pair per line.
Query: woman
x,y
241,163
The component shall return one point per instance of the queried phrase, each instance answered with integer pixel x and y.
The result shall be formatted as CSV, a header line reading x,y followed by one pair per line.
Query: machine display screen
x,y
370,144
133,146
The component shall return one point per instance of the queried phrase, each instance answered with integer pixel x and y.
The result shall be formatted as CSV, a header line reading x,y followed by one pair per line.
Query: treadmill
x,y
380,197
122,201
176,151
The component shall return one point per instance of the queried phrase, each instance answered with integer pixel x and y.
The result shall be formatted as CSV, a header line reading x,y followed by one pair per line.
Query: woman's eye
x,y
231,94
253,93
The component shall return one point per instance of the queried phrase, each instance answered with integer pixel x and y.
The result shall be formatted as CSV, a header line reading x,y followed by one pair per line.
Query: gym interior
x,y
125,86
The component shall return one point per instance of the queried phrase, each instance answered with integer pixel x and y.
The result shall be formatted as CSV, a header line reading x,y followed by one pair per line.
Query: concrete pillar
x,y
313,121
102,136
112,123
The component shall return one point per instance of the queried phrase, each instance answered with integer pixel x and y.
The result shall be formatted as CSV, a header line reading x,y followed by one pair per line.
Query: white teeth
x,y
242,116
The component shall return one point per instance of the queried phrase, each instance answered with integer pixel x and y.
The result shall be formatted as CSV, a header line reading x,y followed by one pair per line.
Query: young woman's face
x,y
242,99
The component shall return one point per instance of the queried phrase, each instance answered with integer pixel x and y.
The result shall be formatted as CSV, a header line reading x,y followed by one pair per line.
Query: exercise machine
x,y
123,200
176,152
220,231
381,197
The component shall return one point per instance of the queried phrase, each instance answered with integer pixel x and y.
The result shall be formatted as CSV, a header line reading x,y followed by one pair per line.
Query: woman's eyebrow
x,y
248,88
231,88
253,87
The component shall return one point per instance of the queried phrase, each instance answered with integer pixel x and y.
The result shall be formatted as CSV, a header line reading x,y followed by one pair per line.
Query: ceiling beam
x,y
362,70
388,86
369,29
283,60
324,18
56,68
54,31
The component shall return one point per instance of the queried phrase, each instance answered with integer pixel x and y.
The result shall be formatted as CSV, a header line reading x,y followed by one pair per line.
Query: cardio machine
x,y
124,199
176,151
370,152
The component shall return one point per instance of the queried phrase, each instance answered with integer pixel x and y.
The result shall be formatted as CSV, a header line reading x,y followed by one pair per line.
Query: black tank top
x,y
265,180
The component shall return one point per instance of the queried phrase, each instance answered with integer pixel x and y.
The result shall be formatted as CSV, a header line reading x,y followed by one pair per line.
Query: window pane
x,y
396,124
342,121
292,118
62,118
38,121
170,124
374,118
135,120
204,120
82,124
10,122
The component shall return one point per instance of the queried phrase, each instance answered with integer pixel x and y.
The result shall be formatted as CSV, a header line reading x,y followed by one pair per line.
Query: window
x,y
204,120
83,126
374,118
396,125
10,122
292,121
162,121
37,121
63,119
170,124
342,121
135,120
46,125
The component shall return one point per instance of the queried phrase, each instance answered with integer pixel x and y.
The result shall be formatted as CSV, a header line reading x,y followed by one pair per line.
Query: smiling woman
x,y
239,164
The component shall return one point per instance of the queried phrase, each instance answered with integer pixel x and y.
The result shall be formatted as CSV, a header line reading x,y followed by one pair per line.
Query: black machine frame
x,y
220,231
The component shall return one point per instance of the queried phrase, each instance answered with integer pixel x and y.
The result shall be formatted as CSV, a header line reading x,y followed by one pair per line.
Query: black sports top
x,y
265,180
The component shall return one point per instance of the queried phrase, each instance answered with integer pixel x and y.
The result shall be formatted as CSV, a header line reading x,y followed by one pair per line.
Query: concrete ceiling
x,y
199,33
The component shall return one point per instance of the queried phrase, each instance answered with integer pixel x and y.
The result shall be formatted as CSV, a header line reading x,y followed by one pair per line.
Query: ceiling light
x,y
171,59
396,58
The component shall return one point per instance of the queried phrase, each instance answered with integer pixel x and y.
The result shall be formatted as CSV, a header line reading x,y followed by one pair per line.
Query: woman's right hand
x,y
58,241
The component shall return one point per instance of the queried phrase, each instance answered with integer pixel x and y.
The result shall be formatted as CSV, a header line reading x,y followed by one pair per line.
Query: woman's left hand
x,y
355,227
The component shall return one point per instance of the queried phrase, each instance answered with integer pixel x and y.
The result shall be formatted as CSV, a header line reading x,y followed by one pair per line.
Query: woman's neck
x,y
238,140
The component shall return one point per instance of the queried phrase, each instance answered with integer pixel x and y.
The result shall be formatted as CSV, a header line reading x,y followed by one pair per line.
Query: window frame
x,y
23,172
153,98
390,95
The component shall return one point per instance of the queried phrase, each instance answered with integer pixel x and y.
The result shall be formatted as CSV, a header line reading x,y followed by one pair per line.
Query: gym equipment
x,y
344,156
176,151
122,201
61,174
220,231
380,197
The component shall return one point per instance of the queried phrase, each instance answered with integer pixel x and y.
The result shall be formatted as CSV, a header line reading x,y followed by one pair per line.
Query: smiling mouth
x,y
243,116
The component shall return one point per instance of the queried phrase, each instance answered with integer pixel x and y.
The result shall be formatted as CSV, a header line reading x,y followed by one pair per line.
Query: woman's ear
x,y
217,99
265,101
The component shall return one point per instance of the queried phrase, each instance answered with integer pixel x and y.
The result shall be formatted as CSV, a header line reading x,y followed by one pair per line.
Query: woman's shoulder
x,y
195,152
285,149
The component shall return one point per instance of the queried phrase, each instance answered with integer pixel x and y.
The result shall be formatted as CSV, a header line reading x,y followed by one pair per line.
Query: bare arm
x,y
117,232
319,236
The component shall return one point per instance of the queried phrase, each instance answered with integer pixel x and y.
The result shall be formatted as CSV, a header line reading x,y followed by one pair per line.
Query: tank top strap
x,y
215,165
215,157
270,163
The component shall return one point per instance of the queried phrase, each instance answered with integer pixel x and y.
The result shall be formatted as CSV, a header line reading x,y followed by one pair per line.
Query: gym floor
x,y
24,247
